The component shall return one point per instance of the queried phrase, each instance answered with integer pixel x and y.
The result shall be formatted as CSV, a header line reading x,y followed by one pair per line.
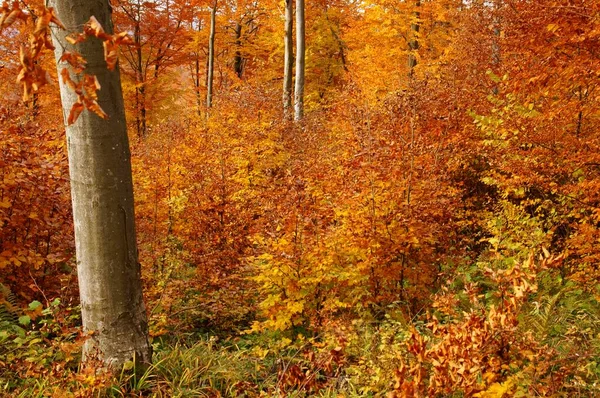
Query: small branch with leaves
x,y
33,76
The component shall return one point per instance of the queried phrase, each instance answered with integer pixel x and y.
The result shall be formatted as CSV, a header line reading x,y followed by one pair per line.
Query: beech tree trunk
x,y
300,60
140,87
211,56
288,58
102,195
413,44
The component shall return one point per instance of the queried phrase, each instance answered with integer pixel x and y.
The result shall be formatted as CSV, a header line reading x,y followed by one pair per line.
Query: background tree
x,y
211,55
288,57
158,32
300,61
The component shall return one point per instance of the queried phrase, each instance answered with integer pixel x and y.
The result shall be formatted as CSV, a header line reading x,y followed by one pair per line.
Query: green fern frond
x,y
8,306
562,312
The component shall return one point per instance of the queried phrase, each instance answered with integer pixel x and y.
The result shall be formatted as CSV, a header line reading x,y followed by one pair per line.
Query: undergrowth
x,y
519,331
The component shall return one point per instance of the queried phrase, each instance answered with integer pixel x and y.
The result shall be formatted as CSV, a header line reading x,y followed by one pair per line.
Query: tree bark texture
x,y
140,87
300,61
288,58
211,56
102,195
413,44
238,61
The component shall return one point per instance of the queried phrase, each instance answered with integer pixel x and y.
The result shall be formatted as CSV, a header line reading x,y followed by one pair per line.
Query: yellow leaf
x,y
496,390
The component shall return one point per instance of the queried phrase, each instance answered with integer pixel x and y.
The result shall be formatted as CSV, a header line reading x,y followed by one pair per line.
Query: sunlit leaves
x,y
10,13
87,98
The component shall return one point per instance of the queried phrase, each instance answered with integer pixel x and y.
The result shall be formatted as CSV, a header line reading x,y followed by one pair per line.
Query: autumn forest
x,y
290,198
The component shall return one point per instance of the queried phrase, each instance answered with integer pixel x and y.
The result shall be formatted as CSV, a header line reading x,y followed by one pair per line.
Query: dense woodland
x,y
333,198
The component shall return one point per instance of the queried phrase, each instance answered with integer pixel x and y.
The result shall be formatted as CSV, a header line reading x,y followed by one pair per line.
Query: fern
x,y
8,307
563,311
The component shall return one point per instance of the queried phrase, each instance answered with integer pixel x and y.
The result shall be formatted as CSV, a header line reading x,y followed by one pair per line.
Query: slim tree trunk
x,y
211,56
197,83
413,44
497,27
196,72
102,195
496,56
238,63
300,60
288,58
140,88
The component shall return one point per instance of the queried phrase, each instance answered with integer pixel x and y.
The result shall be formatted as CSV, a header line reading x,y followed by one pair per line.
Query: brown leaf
x,y
67,79
111,54
75,38
41,24
74,59
93,106
10,18
76,110
93,28
54,19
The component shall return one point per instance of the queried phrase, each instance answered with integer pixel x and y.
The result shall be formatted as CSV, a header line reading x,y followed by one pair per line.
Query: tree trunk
x,y
102,195
211,56
197,83
496,56
413,44
238,63
300,60
497,27
288,58
140,88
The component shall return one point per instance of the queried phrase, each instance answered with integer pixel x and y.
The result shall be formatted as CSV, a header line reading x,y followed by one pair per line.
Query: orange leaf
x,y
10,18
76,110
67,79
75,38
93,106
54,19
42,23
93,28
111,54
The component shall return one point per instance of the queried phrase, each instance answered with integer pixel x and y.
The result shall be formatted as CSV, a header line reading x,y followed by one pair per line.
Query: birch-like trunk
x,y
300,61
288,58
102,195
211,56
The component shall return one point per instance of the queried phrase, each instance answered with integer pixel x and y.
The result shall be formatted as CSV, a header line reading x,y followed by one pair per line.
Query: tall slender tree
x,y
102,195
300,60
157,28
211,56
288,57
413,44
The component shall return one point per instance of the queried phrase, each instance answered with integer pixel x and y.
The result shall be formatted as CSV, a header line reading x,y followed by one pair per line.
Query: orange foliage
x,y
485,152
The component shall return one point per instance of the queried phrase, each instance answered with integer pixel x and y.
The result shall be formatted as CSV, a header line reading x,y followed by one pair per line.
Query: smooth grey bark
x,y
413,44
288,58
211,56
102,195
300,61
